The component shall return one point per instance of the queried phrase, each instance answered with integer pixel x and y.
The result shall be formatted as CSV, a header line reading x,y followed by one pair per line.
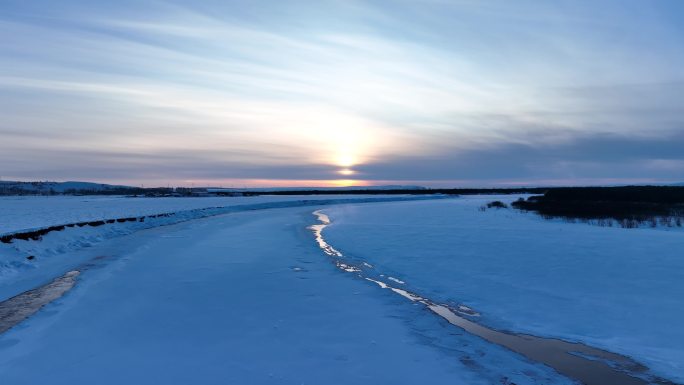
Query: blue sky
x,y
433,92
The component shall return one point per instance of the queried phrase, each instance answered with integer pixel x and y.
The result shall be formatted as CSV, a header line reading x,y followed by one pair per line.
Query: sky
x,y
328,93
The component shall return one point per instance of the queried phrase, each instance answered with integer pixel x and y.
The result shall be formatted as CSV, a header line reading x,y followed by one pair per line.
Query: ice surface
x,y
247,298
25,263
618,289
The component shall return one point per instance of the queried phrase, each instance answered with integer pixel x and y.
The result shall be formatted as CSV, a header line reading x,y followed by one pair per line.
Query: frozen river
x,y
251,298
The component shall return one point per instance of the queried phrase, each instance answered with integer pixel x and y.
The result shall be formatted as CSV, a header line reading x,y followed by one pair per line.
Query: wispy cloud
x,y
293,86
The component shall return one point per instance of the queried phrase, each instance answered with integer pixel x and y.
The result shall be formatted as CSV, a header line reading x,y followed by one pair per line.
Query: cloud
x,y
304,89
603,157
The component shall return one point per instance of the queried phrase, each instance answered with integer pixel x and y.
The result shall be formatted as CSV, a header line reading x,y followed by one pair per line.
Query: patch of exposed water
x,y
24,305
589,365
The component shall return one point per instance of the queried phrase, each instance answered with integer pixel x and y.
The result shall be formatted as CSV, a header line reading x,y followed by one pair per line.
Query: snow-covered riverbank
x,y
618,289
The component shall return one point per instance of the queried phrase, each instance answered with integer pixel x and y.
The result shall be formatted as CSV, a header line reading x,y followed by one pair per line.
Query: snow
x,y
246,298
30,212
618,289
250,298
55,251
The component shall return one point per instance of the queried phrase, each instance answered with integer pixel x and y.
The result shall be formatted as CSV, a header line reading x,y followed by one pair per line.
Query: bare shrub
x,y
629,223
497,204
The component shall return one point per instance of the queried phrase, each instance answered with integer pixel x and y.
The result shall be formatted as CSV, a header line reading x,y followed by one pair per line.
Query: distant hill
x,y
283,189
89,188
48,188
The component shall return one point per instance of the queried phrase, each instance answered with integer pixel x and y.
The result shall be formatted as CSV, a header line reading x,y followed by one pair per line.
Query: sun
x,y
345,158
346,172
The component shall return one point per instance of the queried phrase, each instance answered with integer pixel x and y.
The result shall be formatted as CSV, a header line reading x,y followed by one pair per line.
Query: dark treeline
x,y
636,204
122,191
644,194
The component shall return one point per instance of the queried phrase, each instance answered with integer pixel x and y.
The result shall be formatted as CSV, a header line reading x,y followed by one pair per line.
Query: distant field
x,y
30,212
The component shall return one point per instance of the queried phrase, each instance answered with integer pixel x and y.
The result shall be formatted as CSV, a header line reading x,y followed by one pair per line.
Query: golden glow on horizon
x,y
265,183
346,183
